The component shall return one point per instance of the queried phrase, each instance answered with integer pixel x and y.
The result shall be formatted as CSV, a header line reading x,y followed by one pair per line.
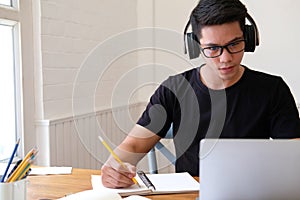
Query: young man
x,y
221,98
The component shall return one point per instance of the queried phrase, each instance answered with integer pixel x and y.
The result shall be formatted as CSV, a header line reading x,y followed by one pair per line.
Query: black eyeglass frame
x,y
222,48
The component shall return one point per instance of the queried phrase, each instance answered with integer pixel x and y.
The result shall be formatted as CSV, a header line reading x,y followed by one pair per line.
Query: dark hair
x,y
217,12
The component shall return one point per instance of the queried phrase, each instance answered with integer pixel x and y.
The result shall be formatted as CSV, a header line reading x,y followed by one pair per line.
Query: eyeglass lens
x,y
215,51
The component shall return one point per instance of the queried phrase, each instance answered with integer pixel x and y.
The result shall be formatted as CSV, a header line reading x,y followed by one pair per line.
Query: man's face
x,y
226,66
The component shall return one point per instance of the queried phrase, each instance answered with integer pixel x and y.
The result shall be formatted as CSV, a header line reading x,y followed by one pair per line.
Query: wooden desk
x,y
57,186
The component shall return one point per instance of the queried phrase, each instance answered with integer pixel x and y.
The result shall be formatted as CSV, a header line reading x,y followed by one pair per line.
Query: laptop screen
x,y
249,169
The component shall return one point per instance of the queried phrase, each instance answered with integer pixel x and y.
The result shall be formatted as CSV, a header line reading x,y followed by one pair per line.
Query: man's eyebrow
x,y
233,40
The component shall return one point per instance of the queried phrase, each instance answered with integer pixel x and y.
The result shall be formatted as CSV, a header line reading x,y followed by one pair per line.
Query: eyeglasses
x,y
232,48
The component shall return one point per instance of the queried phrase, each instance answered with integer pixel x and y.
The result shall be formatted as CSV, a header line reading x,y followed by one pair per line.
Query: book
x,y
163,184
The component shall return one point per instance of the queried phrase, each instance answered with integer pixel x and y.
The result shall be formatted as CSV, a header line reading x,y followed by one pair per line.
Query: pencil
x,y
25,170
10,160
116,157
22,165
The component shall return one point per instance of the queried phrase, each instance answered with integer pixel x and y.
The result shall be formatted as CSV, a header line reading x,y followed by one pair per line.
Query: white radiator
x,y
73,141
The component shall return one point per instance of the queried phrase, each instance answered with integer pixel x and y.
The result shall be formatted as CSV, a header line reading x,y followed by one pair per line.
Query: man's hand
x,y
114,175
133,148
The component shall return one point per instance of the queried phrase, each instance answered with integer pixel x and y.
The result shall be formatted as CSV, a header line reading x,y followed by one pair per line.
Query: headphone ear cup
x,y
192,45
250,38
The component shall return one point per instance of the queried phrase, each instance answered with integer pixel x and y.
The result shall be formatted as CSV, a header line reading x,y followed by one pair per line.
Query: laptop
x,y
249,169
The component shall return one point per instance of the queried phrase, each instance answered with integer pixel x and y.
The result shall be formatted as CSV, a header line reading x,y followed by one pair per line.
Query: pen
x,y
146,180
116,158
10,160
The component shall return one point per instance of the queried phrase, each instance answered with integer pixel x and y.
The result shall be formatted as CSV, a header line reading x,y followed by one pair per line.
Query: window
x,y
10,89
17,61
6,2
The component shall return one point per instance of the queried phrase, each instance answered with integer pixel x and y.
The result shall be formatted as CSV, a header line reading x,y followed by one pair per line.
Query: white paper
x,y
93,195
50,170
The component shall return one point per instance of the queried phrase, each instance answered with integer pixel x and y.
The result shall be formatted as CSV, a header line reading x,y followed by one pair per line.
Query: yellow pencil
x,y
25,170
116,157
21,166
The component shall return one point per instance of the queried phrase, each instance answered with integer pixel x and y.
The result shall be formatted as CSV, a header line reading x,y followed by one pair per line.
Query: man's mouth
x,y
226,69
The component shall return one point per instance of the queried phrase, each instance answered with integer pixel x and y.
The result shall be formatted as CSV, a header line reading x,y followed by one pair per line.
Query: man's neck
x,y
212,81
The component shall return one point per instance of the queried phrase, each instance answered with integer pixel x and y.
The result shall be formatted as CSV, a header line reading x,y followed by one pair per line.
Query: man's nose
x,y
225,56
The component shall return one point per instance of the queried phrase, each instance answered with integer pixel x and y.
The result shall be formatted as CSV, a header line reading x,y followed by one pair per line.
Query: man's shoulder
x,y
188,74
182,81
259,76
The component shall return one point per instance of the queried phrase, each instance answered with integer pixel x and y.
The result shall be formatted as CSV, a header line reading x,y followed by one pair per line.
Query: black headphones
x,y
192,44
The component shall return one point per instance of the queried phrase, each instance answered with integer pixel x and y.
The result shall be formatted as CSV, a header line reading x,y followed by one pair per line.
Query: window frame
x,y
9,18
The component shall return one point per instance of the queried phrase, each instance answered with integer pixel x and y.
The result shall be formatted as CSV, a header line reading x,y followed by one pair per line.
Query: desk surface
x,y
57,186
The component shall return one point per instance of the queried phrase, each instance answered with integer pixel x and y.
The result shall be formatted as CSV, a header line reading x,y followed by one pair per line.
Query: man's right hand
x,y
114,175
133,148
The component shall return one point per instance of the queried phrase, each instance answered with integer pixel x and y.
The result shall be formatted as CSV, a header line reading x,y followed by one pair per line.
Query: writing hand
x,y
114,175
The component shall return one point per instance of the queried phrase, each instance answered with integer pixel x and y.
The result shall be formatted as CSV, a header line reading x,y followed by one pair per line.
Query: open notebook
x,y
163,183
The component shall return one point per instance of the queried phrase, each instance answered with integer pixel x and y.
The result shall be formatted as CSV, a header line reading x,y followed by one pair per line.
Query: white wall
x,y
278,23
168,19
70,30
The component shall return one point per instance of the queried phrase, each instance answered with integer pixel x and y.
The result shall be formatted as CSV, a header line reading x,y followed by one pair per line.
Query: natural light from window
x,y
7,90
6,2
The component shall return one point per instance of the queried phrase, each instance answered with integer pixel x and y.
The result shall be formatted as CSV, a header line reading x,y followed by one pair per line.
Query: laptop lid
x,y
249,169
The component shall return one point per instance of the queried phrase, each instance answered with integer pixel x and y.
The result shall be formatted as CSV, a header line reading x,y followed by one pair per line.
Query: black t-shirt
x,y
259,105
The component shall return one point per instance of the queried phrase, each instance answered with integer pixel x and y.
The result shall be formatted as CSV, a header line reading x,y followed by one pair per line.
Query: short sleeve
x,y
285,122
157,116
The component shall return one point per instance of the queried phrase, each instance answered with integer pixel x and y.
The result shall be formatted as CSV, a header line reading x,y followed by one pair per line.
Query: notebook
x,y
249,169
163,183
